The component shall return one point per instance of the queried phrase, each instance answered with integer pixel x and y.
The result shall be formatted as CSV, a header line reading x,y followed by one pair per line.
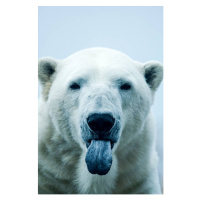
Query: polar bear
x,y
96,129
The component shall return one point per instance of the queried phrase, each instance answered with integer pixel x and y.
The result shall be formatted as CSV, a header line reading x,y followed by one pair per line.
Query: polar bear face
x,y
98,99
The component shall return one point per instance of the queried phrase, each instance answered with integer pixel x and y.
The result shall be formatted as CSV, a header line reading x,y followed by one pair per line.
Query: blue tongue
x,y
99,157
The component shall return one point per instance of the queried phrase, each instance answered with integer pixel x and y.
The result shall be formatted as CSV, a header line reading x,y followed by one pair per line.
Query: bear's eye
x,y
75,86
125,86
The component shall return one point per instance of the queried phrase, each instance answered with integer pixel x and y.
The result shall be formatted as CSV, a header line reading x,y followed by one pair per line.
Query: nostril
x,y
100,122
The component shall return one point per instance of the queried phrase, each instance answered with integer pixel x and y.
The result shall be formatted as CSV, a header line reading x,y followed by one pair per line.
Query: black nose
x,y
100,123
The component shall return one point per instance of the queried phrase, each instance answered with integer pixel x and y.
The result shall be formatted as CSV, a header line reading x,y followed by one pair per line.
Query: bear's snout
x,y
100,123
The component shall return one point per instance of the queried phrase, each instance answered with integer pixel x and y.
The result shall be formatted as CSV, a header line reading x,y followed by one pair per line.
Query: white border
x,y
19,98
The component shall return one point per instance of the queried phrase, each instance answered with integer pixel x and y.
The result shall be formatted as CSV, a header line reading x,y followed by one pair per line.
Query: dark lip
x,y
105,136
89,142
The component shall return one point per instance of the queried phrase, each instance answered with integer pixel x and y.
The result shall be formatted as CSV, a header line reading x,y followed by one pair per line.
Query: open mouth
x,y
100,133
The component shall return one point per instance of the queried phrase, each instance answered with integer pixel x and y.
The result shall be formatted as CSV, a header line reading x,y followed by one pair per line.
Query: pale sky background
x,y
136,31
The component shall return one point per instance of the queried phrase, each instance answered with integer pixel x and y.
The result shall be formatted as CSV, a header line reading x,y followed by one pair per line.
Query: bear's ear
x,y
153,73
46,68
46,71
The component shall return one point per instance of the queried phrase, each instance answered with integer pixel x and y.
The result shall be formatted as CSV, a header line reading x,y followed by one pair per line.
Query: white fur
x,y
62,167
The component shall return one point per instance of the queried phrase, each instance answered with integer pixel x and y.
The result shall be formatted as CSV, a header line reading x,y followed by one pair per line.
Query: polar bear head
x,y
98,99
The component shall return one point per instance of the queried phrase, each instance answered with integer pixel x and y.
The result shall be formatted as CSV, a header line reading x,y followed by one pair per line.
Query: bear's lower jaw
x,y
99,157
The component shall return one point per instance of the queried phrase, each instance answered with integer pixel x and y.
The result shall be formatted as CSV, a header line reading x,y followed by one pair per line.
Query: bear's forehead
x,y
101,59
